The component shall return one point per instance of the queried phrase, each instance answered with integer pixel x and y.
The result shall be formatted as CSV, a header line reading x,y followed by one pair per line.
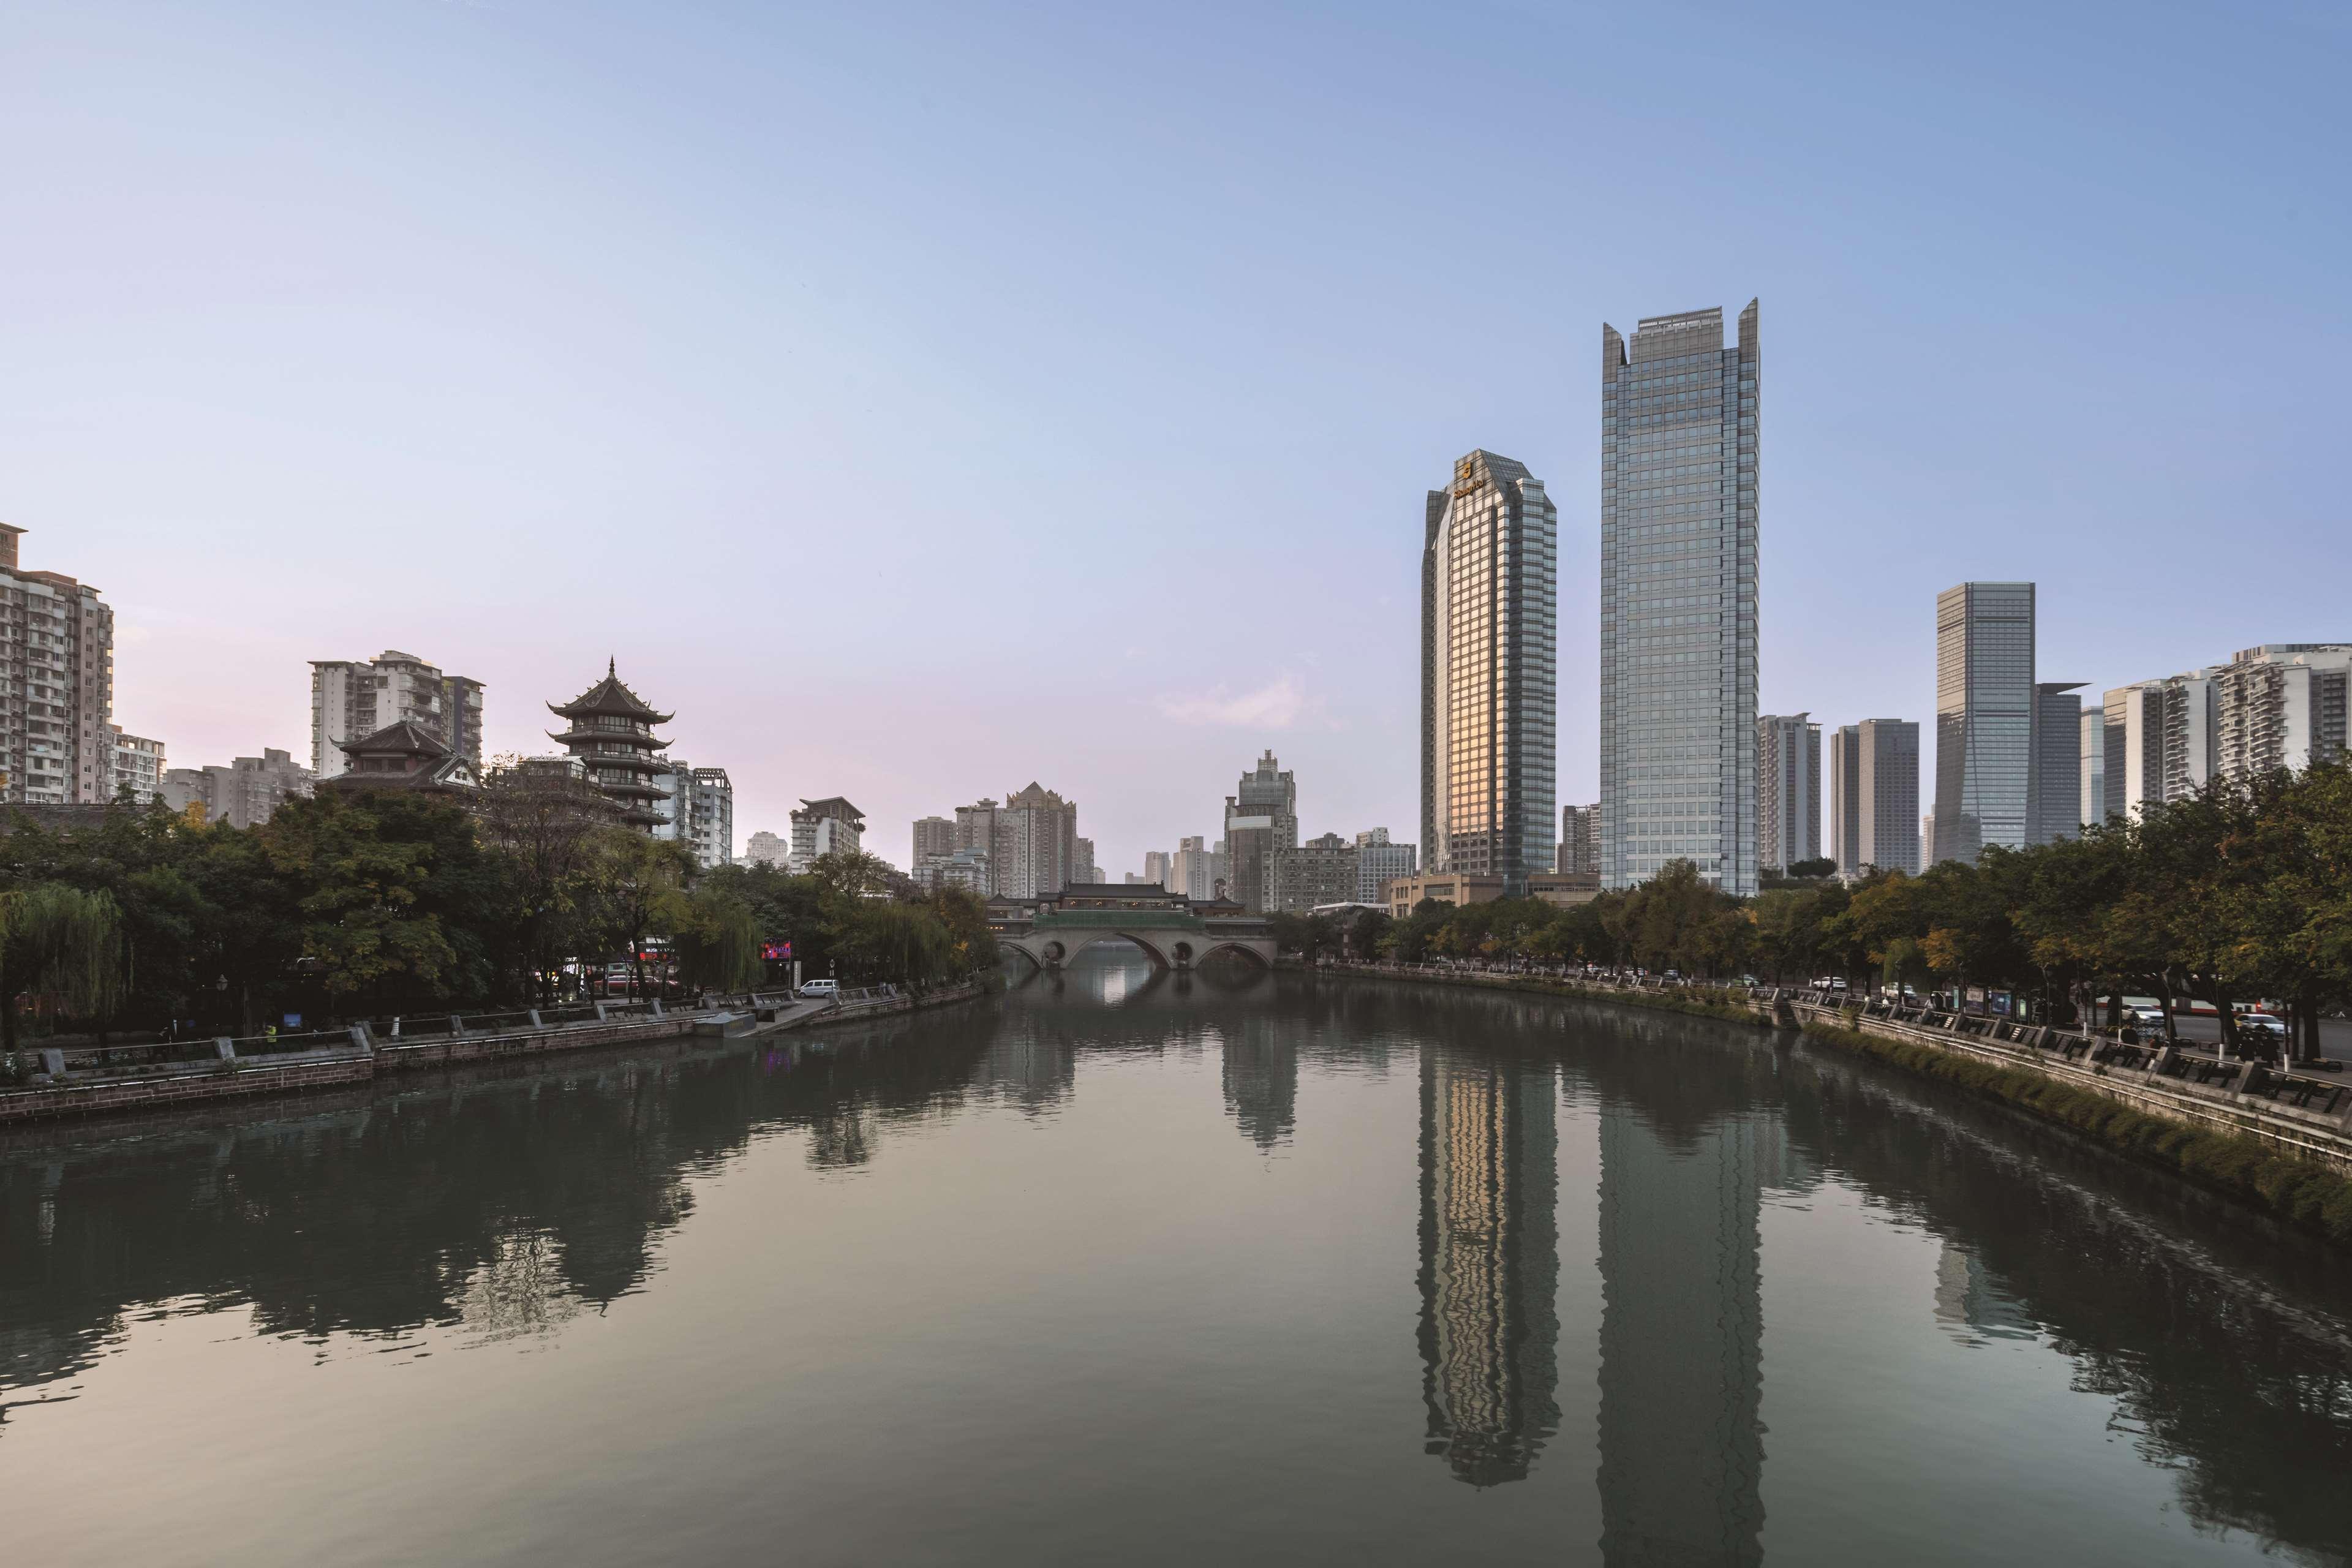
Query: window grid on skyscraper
x,y
1678,603
1490,677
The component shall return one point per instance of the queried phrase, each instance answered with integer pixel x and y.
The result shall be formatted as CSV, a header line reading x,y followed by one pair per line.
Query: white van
x,y
823,989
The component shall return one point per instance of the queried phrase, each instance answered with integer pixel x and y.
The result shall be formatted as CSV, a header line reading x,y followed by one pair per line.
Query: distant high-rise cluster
x,y
1875,796
1027,847
1489,679
1679,602
2278,706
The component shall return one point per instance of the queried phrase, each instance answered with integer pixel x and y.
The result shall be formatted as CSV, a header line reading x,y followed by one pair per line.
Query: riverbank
x,y
2301,1192
1730,1006
2283,1161
143,1081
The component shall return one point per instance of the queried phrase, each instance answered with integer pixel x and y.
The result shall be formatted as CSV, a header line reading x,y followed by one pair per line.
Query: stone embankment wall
x,y
238,1078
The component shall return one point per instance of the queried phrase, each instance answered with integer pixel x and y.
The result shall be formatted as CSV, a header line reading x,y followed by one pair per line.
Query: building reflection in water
x,y
1682,1325
1260,1077
1490,1262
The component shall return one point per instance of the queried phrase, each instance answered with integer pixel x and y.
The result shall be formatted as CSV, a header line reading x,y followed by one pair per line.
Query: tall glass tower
x,y
1490,673
1678,438
1985,708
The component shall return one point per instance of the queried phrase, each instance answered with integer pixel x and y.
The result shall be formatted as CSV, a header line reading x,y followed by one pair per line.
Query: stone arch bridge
x,y
1174,932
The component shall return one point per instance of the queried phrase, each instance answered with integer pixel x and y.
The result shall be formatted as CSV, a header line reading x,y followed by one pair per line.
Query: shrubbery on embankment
x,y
2304,1192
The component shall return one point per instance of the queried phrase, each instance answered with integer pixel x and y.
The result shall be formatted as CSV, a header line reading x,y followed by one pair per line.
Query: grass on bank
x,y
2304,1192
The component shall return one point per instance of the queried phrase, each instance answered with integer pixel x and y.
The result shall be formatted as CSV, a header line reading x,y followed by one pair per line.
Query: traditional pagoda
x,y
611,732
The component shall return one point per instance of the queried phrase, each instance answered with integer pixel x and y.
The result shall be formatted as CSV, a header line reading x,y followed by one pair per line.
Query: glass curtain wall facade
x,y
1678,611
2057,761
1490,673
1985,700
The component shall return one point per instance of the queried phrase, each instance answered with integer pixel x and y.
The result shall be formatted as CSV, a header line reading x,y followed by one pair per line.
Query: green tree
x,y
59,943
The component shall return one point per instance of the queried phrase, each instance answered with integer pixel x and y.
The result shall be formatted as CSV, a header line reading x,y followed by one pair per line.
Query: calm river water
x,y
1126,1270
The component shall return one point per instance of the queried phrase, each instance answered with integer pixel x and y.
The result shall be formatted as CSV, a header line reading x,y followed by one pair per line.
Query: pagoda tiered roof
x,y
605,748
609,698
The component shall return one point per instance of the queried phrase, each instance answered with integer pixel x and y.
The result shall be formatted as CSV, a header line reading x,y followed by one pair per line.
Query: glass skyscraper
x,y
1489,673
1678,449
1985,710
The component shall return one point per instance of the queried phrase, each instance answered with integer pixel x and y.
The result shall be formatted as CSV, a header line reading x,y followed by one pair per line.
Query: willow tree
x,y
717,939
60,942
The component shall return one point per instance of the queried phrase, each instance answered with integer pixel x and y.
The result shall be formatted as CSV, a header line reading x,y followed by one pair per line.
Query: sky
x,y
923,400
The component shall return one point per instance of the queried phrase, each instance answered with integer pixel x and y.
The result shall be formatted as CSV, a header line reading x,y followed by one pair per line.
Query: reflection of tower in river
x,y
1490,1262
1682,1448
1260,1078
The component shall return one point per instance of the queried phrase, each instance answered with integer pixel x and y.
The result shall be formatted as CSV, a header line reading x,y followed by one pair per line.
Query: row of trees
x,y
386,901
2239,893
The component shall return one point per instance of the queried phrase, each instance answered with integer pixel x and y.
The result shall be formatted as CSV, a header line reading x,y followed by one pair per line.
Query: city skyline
x,y
225,444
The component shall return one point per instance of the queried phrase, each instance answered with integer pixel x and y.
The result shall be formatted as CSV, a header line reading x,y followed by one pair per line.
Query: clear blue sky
x,y
921,400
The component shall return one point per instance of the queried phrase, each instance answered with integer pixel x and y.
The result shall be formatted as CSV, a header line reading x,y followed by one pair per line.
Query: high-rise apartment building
x,y
1321,871
139,766
1875,796
933,835
1260,816
1985,702
1159,867
2282,705
352,698
707,827
2278,706
1678,608
1036,845
2057,762
1083,869
1580,840
1192,870
1489,672
1788,790
57,686
1379,861
766,849
825,826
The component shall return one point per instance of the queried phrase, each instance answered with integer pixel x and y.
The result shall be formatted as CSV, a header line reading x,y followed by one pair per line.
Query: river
x,y
1138,1270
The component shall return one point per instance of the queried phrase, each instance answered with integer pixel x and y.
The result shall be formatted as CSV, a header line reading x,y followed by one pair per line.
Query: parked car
x,y
820,988
1837,981
2262,1023
2146,1017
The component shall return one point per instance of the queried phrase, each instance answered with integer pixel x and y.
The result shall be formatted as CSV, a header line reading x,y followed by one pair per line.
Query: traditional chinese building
x,y
405,756
611,732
